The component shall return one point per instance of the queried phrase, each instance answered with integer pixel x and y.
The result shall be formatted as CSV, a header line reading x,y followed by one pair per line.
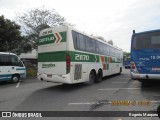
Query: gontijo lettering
x,y
46,39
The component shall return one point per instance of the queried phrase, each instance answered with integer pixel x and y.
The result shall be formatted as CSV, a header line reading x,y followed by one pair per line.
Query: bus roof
x,y
73,28
7,53
157,30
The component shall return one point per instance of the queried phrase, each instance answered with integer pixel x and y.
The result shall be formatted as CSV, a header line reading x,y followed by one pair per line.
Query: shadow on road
x,y
66,87
2,83
53,98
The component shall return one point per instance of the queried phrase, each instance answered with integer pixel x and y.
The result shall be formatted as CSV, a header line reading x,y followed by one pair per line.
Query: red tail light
x,y
133,65
68,63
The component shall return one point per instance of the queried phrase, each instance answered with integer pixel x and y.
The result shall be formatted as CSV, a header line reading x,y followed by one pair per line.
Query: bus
x,y
11,67
145,55
126,61
66,55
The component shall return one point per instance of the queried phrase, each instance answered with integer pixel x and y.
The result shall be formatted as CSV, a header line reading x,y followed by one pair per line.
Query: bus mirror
x,y
133,31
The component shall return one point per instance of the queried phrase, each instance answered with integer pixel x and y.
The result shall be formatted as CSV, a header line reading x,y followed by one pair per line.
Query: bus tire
x,y
120,70
92,77
15,78
158,111
99,76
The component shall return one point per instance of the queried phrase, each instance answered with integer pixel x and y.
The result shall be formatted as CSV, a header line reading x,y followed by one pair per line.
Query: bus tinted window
x,y
75,41
90,45
4,60
155,41
146,40
15,61
10,60
84,43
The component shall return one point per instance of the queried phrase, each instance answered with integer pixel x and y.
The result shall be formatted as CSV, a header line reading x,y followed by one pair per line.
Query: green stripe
x,y
51,38
63,35
6,75
60,56
20,69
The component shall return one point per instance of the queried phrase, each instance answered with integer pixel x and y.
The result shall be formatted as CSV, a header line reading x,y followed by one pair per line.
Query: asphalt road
x,y
112,94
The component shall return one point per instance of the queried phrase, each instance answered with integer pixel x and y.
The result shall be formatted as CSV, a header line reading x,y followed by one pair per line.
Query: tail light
x,y
68,63
133,65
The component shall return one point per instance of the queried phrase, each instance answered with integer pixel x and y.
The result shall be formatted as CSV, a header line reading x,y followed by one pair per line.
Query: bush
x,y
31,73
31,69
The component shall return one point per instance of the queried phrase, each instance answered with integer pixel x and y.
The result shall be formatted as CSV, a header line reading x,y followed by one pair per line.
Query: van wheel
x,y
92,77
15,78
99,76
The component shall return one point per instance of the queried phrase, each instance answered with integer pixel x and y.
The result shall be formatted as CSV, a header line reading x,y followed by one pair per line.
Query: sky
x,y
112,19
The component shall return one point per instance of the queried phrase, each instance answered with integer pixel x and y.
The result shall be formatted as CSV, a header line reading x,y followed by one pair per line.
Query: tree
x,y
35,20
100,37
10,37
110,42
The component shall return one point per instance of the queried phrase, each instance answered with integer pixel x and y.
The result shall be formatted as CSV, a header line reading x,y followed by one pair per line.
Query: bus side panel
x,y
6,72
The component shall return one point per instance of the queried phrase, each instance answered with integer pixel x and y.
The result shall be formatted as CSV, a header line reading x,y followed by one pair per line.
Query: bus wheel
x,y
92,77
99,76
15,78
158,111
120,70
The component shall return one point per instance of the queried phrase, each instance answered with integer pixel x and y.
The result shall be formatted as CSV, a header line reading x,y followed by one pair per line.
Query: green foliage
x,y
10,37
31,73
31,69
35,20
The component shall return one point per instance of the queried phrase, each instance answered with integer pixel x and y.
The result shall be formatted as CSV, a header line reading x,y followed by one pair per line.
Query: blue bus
x,y
126,62
145,55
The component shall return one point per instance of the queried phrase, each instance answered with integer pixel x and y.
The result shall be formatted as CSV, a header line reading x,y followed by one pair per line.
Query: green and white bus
x,y
66,55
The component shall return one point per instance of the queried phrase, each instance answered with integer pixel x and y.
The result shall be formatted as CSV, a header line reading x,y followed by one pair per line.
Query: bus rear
x,y
53,59
126,63
145,55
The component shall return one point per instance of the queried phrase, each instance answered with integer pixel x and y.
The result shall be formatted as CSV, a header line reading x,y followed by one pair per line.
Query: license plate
x,y
49,76
156,69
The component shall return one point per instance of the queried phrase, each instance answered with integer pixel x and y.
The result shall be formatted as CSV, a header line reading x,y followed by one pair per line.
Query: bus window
x,y
15,61
4,60
155,41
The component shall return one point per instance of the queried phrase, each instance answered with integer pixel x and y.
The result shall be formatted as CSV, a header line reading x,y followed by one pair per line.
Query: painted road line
x,y
125,78
123,82
119,82
89,103
18,84
85,103
120,89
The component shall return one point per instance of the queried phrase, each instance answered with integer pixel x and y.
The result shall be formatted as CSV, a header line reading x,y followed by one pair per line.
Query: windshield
x,y
146,40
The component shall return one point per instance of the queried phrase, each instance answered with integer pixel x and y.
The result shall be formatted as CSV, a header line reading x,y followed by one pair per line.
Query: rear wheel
x,y
99,76
92,77
15,78
120,70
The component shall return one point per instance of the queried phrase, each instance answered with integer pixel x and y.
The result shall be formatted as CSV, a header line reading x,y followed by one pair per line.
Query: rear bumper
x,y
145,76
55,78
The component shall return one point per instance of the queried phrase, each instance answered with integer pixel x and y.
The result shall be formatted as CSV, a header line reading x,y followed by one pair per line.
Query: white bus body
x,y
66,55
11,67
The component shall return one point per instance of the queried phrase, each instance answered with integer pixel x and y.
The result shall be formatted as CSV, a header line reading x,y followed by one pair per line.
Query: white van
x,y
11,67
